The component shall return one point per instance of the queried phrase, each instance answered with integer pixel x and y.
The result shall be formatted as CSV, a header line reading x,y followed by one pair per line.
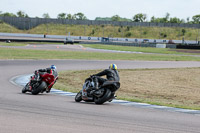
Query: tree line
x,y
77,16
140,17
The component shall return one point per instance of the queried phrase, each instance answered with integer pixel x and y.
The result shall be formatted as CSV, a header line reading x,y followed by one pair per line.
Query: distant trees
x,y
140,17
167,19
19,14
176,20
8,14
115,18
61,16
22,14
78,16
69,16
160,20
45,15
103,19
196,19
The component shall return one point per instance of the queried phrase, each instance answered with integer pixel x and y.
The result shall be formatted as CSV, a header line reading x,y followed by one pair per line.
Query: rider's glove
x,y
36,71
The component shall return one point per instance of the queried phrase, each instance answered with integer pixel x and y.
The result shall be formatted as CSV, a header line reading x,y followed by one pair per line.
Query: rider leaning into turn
x,y
111,75
52,69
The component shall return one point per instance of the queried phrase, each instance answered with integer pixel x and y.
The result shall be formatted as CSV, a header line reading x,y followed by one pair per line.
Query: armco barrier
x,y
130,44
188,46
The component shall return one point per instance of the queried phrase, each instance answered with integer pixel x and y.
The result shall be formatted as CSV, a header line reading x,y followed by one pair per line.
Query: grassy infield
x,y
172,87
108,30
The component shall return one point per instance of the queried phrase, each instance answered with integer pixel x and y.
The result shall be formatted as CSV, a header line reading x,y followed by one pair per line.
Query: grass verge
x,y
173,33
170,87
25,43
12,44
11,53
136,49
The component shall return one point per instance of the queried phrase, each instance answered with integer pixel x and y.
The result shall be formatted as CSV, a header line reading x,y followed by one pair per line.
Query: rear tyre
x,y
78,96
104,98
39,89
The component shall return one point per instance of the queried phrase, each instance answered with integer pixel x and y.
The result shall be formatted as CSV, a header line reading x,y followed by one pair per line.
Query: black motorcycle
x,y
104,93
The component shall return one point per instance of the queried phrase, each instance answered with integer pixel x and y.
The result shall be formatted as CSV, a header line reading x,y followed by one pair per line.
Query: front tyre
x,y
104,98
78,96
24,90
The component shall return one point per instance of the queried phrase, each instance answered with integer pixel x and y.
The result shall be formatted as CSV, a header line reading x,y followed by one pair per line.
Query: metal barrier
x,y
130,44
28,23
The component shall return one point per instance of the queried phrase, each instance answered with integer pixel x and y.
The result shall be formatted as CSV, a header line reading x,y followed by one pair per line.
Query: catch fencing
x,y
29,23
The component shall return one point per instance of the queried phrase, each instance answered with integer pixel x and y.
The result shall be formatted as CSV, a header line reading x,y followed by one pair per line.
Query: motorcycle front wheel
x,y
78,96
24,90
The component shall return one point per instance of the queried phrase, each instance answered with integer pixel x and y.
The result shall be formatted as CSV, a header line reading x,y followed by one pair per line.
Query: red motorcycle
x,y
40,82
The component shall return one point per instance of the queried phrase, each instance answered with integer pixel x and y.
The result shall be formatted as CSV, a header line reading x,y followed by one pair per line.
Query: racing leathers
x,y
49,70
111,75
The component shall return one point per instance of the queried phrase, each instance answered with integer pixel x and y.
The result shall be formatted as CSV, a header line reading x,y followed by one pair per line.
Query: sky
x,y
104,8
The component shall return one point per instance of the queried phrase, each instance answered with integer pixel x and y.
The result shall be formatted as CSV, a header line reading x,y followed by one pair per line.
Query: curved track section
x,y
51,113
23,79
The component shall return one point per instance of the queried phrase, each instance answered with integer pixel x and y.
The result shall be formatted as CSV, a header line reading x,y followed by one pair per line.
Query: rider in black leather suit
x,y
111,75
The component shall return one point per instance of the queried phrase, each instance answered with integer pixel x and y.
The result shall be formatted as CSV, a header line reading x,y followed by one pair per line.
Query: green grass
x,y
12,44
109,47
159,103
174,87
108,31
11,53
10,29
53,43
26,43
134,49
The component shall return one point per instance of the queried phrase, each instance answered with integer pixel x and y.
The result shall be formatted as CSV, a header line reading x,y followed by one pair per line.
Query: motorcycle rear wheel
x,y
104,98
39,89
78,96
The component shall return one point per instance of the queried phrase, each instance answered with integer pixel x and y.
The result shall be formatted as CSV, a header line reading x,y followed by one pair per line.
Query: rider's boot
x,y
48,89
96,85
113,96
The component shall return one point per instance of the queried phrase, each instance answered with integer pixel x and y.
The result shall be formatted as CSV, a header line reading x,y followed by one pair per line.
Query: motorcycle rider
x,y
111,75
52,69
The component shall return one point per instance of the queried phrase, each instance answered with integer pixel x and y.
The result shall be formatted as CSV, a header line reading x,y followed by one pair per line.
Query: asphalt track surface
x,y
80,48
22,113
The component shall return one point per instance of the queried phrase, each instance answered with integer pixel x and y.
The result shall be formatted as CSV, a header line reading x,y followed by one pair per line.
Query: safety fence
x,y
28,23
